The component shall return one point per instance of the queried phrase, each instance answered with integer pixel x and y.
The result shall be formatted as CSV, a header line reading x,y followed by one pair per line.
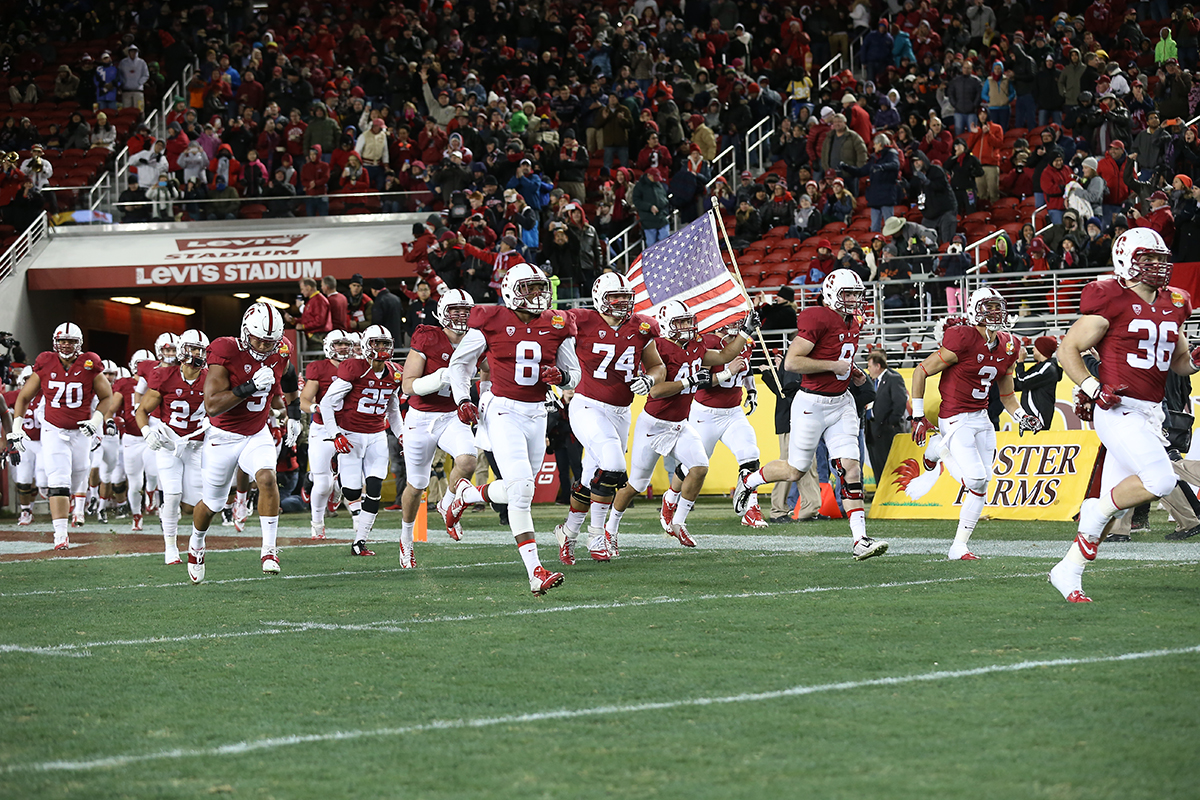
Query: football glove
x,y
293,433
750,325
553,376
751,401
342,444
1085,406
468,413
641,384
920,429
110,428
1027,422
12,455
157,438
17,440
94,425
1110,396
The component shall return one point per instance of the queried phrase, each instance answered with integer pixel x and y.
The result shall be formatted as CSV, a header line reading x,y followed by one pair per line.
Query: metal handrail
x,y
729,159
168,101
756,145
826,72
1033,216
23,245
631,242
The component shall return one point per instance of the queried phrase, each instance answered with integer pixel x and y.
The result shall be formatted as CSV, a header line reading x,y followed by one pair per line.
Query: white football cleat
x,y
1068,579
543,581
408,559
867,547
196,566
62,543
598,545
666,513
241,511
137,523
960,552
741,494
754,518
26,517
318,532
270,562
566,545
680,532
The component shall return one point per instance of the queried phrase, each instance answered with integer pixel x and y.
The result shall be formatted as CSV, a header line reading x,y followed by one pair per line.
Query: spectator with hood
x,y
650,199
964,170
314,182
941,206
225,168
1053,183
1047,92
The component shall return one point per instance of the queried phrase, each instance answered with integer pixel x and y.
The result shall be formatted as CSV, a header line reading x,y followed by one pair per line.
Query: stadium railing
x,y
23,245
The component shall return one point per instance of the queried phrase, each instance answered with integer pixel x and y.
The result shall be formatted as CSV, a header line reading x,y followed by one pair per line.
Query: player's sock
x,y
614,519
80,502
169,515
135,502
858,523
363,525
473,494
406,535
60,530
574,523
241,500
494,492
682,510
599,514
755,479
196,543
270,530
968,517
754,500
354,506
529,555
670,496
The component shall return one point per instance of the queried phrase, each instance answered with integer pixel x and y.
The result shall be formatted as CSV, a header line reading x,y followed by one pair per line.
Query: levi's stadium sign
x,y
120,258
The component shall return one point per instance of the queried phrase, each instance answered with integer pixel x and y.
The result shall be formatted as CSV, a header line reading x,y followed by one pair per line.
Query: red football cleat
x,y
968,557
753,518
543,581
666,514
681,533
1078,596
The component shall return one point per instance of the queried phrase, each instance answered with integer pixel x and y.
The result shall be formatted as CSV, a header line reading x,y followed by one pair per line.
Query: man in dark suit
x,y
885,417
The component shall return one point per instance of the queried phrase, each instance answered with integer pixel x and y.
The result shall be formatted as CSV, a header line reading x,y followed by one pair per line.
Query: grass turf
x,y
427,674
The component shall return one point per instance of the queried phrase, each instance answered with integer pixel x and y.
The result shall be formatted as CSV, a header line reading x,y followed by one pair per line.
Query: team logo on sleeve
x,y
644,328
602,333
510,330
284,350
1010,347
88,364
1177,299
558,321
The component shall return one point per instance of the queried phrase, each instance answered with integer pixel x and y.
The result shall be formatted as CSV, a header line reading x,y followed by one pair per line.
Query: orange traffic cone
x,y
421,531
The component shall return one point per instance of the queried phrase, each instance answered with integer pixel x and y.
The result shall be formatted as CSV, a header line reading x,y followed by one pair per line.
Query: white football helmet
x,y
454,310
676,322
68,340
262,331
125,373
24,376
111,370
139,357
525,288
338,345
377,343
988,308
843,291
193,348
166,348
355,338
1140,255
612,295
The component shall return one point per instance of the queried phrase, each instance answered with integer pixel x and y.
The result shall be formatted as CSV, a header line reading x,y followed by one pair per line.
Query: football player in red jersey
x,y
974,353
362,403
166,348
318,377
823,353
618,359
30,471
134,454
529,349
242,385
1135,323
67,378
718,417
431,423
175,397
662,428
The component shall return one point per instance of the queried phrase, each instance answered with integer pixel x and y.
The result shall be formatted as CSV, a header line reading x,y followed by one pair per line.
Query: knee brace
x,y
976,485
750,466
520,493
374,489
849,491
59,491
26,488
579,494
1160,483
120,488
679,472
351,494
607,482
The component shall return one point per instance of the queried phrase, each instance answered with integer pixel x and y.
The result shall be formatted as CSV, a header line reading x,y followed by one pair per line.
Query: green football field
x,y
759,665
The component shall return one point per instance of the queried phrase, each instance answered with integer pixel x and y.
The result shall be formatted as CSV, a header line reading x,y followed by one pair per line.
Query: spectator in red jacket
x,y
177,142
225,168
654,155
1112,170
339,306
857,118
937,143
985,143
1054,182
1159,219
314,180
293,134
314,319
250,93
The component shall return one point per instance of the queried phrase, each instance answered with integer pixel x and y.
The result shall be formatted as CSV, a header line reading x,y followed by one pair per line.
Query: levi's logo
x,y
240,242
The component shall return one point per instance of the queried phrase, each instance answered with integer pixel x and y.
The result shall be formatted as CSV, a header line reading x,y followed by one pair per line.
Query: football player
x,y
318,377
530,349
101,460
30,471
242,385
823,353
663,429
1135,323
618,359
67,378
176,398
362,403
166,348
133,446
974,354
717,416
431,423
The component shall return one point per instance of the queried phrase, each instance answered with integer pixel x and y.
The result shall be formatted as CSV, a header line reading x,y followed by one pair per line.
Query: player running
x,y
974,353
431,423
318,377
362,403
663,429
529,350
618,359
30,472
823,353
175,397
242,385
1135,323
134,455
718,417
67,378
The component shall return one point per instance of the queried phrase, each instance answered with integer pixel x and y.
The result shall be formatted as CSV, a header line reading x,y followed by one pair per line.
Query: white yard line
x,y
239,748
277,628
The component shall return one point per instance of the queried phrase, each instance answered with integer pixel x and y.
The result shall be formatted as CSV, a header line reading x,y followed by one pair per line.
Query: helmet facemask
x,y
457,318
534,293
682,329
1151,267
850,301
992,313
618,304
194,355
378,348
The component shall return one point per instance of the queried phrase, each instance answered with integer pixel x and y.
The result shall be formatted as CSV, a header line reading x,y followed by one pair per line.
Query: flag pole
x,y
737,273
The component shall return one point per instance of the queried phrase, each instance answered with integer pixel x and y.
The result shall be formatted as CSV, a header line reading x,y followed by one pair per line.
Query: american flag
x,y
687,266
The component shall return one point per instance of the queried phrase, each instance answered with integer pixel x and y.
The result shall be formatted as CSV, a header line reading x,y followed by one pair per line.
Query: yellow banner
x,y
1042,476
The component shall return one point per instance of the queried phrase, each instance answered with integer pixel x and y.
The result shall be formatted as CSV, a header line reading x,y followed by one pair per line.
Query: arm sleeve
x,y
142,386
395,421
429,384
332,399
569,362
462,363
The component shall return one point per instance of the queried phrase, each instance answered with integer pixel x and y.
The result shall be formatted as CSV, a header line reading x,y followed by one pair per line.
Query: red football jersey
x,y
323,372
834,339
517,351
124,414
681,363
364,409
33,428
727,393
433,343
145,369
249,416
1137,347
182,405
610,358
70,390
964,385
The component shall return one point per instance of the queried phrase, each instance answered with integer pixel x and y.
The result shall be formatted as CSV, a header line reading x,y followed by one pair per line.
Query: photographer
x,y
162,196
